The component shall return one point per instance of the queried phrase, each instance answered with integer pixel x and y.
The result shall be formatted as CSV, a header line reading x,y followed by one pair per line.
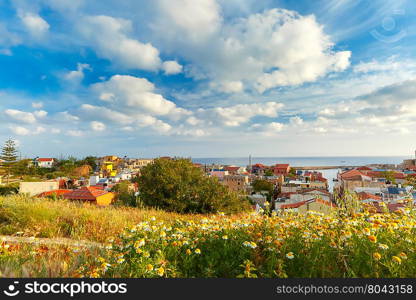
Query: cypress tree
x,y
8,156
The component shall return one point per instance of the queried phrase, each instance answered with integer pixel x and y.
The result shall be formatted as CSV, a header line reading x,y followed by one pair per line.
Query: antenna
x,y
249,162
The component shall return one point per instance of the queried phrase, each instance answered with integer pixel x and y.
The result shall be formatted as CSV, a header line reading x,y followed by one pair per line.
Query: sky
x,y
208,78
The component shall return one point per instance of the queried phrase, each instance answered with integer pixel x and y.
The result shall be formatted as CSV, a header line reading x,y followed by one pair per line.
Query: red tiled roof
x,y
54,192
85,193
350,173
44,159
231,168
299,204
365,196
259,166
281,166
364,168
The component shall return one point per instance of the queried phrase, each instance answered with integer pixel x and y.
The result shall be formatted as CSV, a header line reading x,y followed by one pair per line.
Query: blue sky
x,y
208,78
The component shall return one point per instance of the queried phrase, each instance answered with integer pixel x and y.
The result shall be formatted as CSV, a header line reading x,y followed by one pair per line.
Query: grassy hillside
x,y
149,243
60,218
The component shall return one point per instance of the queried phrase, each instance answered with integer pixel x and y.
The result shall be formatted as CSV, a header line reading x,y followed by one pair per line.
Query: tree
x,y
124,194
261,185
268,172
8,156
177,185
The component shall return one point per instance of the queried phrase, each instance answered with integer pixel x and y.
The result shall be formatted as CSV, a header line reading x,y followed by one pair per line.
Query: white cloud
x,y
135,94
195,21
66,116
240,113
19,130
171,67
296,121
21,116
262,51
37,105
78,74
40,114
97,126
34,23
268,129
110,38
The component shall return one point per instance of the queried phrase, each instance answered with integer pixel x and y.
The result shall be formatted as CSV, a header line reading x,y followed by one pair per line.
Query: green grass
x,y
46,218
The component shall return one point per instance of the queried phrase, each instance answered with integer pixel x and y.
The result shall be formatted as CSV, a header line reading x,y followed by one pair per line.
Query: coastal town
x,y
276,187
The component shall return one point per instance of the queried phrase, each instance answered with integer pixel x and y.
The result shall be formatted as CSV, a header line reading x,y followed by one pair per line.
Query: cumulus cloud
x,y
262,51
78,74
97,126
135,94
110,37
240,113
171,67
34,24
20,130
195,21
21,116
268,129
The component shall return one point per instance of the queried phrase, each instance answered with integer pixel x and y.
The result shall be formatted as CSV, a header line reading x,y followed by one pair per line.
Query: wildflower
x,y
225,237
139,243
333,244
197,251
367,231
252,245
372,238
376,256
160,271
146,254
290,255
397,259
163,234
149,268
403,255
120,260
188,251
383,246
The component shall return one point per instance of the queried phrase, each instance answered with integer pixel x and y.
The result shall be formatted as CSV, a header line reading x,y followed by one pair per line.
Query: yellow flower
x,y
120,260
149,268
160,271
383,246
197,251
376,256
403,255
397,259
372,238
290,255
225,237
188,251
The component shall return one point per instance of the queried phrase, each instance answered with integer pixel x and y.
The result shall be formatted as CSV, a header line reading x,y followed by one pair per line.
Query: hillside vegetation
x,y
152,243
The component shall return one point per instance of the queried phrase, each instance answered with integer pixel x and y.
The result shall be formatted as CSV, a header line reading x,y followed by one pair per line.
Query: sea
x,y
307,161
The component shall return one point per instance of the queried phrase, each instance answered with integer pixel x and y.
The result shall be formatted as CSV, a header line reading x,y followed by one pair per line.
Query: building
x,y
218,173
35,188
281,169
91,195
317,205
235,170
135,164
236,183
43,162
258,169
